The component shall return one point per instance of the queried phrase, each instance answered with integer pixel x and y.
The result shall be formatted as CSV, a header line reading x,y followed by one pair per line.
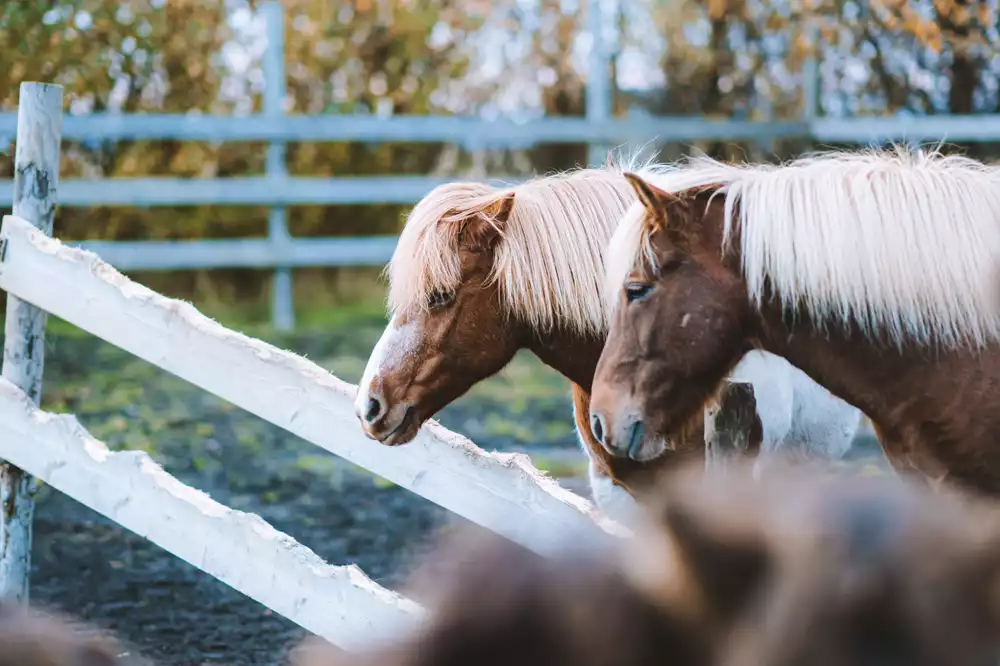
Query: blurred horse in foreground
x,y
31,638
804,570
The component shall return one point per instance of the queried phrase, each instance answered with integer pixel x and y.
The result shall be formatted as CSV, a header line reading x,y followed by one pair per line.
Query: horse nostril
x,y
597,428
374,410
636,432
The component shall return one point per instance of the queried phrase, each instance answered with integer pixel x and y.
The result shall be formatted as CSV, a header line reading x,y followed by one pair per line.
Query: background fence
x,y
277,190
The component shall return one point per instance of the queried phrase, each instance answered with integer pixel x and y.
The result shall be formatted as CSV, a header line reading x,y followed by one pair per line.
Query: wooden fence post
x,y
36,180
732,426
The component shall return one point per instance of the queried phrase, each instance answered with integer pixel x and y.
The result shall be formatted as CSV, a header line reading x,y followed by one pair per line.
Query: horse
x,y
874,272
819,569
30,638
496,603
482,272
806,570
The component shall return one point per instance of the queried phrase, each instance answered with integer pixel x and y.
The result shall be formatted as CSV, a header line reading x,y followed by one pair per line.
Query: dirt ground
x,y
166,611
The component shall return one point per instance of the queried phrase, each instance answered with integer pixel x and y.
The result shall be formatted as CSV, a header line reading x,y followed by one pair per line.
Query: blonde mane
x,y
899,242
549,261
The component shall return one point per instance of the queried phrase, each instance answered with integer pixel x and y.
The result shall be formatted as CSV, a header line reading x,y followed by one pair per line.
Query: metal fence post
x,y
810,73
282,294
599,102
36,181
766,115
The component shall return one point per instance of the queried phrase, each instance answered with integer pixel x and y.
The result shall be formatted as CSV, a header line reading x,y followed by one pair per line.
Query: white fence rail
x,y
469,131
339,603
243,253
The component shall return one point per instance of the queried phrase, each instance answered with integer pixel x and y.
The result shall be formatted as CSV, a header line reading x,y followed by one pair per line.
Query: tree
x,y
143,56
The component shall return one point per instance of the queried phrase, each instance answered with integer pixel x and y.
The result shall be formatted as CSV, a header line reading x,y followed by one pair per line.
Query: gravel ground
x,y
166,611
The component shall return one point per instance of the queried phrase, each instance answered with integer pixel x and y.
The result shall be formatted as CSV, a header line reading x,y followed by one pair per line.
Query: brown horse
x,y
875,273
806,570
480,273
31,638
498,604
821,570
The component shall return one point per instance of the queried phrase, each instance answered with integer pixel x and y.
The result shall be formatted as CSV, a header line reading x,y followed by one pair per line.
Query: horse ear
x,y
668,212
650,196
697,572
500,210
483,230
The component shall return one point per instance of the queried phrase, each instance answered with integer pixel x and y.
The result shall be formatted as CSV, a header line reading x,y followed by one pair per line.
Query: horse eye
x,y
671,264
637,290
439,299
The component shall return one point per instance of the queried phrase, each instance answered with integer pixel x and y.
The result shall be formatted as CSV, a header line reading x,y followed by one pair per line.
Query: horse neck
x,y
875,378
573,355
934,410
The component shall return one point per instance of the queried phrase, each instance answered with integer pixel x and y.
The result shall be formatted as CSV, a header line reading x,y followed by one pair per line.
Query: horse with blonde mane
x,y
875,272
480,273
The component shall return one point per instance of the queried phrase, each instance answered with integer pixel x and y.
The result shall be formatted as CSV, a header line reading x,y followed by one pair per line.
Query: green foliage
x,y
725,58
560,466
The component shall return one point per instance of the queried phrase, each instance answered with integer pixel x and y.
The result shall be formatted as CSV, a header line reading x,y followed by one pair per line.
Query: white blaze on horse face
x,y
395,346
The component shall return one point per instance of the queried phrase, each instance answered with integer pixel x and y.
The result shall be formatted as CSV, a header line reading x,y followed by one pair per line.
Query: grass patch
x,y
560,467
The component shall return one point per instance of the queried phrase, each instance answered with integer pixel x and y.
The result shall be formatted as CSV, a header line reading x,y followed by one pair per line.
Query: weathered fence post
x,y
36,179
732,426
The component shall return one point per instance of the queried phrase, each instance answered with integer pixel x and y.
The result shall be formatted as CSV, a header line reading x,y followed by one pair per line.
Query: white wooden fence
x,y
502,492
339,603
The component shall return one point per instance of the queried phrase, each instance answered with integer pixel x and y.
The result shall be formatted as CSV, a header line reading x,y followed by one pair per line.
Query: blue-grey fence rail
x,y
277,189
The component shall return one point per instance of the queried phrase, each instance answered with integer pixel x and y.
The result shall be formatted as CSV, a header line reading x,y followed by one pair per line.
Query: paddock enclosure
x,y
502,492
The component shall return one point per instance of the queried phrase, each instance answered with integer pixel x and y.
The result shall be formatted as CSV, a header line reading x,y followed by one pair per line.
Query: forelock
x,y
630,246
426,257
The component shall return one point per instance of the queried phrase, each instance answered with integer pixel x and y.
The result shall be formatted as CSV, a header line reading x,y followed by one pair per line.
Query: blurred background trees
x,y
719,58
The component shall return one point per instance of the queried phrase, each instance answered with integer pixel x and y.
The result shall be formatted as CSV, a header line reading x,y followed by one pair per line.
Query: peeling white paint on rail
x,y
502,492
339,603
